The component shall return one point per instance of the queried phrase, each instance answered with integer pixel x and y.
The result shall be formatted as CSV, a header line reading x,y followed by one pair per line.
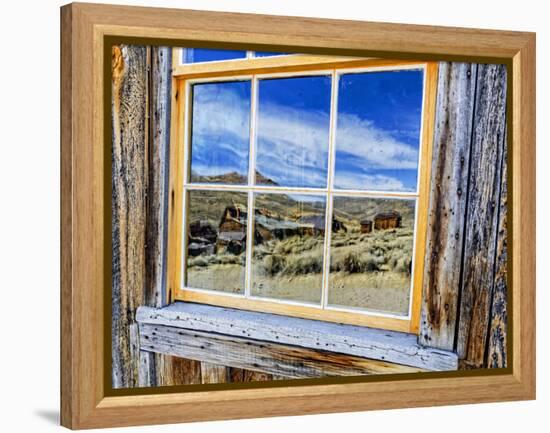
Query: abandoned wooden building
x,y
202,229
387,220
314,225
462,304
232,230
366,226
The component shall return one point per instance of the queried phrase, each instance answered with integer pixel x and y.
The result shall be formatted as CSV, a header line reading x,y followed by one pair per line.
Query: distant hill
x,y
232,178
210,205
356,209
229,178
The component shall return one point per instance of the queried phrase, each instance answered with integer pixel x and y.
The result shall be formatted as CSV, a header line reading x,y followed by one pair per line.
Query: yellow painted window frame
x,y
294,63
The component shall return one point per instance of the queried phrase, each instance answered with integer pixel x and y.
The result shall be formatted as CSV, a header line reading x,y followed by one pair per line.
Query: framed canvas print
x,y
311,215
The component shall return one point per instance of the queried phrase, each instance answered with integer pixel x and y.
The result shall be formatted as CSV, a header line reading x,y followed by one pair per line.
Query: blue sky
x,y
293,119
377,136
378,130
221,124
196,55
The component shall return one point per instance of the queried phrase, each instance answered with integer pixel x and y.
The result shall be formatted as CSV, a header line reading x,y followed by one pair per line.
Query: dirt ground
x,y
375,291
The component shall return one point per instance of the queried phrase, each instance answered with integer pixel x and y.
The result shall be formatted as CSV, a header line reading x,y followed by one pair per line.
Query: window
x,y
301,185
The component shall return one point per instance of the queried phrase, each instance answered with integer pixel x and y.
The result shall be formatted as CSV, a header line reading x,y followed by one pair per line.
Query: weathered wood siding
x,y
464,298
449,185
497,349
141,87
465,286
262,356
375,344
129,125
482,215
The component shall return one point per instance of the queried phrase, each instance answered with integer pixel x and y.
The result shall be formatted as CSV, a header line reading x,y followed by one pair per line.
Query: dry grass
x,y
369,271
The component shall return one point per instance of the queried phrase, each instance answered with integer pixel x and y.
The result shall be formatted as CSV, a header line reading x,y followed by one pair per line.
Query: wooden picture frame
x,y
87,397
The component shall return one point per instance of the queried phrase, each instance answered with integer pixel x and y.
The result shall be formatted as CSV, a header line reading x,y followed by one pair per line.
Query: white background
x,y
29,217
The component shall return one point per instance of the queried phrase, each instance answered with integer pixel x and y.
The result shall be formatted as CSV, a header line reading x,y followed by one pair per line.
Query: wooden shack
x,y
314,225
202,229
387,220
232,230
366,226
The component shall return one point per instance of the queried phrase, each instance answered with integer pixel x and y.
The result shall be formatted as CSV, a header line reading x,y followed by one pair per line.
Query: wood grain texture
x,y
482,214
179,371
431,81
497,354
164,370
250,356
214,373
87,402
302,35
68,395
523,209
450,168
370,343
159,113
129,136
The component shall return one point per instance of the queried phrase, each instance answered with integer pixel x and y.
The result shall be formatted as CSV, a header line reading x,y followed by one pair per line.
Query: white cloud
x,y
296,141
354,180
377,147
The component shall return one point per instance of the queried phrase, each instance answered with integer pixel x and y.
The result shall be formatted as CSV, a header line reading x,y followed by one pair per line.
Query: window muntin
x,y
326,310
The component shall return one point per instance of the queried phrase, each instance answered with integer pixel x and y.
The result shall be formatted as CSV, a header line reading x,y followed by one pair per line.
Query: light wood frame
x,y
86,397
292,65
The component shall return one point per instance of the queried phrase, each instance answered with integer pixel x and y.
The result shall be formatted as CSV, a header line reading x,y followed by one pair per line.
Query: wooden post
x,y
129,102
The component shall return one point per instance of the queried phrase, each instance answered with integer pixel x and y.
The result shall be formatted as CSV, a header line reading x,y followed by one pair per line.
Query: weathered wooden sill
x,y
282,345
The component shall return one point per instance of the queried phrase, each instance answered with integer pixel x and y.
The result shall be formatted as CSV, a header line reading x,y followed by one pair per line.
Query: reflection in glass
x,y
371,259
268,54
216,240
378,130
293,131
197,55
287,259
220,130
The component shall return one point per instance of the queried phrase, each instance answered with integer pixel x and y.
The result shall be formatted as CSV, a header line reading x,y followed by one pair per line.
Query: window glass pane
x,y
268,54
287,261
293,131
197,55
216,240
220,132
378,130
371,257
